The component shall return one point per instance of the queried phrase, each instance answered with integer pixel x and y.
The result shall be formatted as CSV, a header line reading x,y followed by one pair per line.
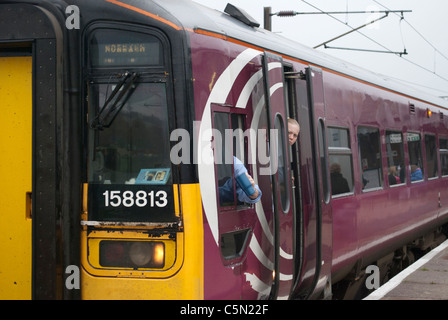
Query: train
x,y
124,121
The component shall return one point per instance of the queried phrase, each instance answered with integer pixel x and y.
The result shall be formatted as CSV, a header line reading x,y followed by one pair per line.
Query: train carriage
x,y
125,123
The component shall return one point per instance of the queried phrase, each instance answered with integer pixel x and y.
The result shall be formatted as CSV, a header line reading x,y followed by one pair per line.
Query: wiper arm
x,y
107,114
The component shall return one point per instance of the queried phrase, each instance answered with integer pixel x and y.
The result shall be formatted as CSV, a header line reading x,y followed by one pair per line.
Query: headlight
x,y
140,253
132,254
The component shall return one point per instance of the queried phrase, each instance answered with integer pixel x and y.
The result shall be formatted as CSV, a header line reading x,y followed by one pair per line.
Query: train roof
x,y
190,15
193,15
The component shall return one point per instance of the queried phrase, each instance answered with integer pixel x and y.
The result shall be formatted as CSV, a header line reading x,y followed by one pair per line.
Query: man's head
x,y
293,131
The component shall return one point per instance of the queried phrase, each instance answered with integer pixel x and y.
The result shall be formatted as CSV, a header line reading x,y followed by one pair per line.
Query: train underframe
x,y
354,286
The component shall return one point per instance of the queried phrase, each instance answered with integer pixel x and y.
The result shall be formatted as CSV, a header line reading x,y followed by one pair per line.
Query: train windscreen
x,y
129,167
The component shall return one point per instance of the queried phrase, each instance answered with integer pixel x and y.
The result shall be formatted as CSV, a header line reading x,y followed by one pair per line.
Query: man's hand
x,y
254,195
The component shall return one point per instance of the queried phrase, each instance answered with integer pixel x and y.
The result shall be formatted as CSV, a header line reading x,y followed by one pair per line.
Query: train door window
x,y
395,158
432,167
282,164
323,160
228,142
370,157
224,167
444,156
415,156
340,160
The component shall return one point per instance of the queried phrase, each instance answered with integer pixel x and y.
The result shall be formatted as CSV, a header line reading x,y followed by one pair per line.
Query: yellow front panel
x,y
181,279
15,173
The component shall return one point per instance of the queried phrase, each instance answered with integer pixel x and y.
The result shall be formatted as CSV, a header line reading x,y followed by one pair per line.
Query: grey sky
x,y
425,65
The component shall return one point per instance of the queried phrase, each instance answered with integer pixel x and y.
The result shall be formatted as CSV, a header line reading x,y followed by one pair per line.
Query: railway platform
x,y
426,279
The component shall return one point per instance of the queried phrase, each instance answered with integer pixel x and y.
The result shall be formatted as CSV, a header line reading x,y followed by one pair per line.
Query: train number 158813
x,y
140,198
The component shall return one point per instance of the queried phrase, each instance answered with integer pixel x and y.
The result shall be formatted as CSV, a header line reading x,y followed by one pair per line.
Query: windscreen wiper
x,y
110,109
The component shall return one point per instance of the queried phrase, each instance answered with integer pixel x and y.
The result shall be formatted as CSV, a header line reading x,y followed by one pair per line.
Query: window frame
x,y
322,141
435,157
445,153
132,28
340,151
230,111
379,159
421,166
284,193
100,75
403,153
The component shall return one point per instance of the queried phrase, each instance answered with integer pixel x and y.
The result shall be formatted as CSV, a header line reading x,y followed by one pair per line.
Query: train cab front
x,y
138,223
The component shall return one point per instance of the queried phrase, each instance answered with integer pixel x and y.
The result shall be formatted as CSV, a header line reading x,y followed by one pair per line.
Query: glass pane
x,y
444,144
341,174
239,148
323,159
370,157
415,156
338,138
444,156
432,167
282,165
444,163
340,160
137,139
223,158
395,158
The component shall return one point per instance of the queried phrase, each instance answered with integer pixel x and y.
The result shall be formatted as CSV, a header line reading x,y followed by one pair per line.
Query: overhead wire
x,y
364,35
381,45
416,31
436,50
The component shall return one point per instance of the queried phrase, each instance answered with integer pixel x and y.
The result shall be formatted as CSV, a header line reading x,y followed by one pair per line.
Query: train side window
x,y
415,156
432,167
370,157
443,144
395,158
340,160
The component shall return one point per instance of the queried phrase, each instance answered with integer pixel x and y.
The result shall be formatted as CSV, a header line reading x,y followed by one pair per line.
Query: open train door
x,y
28,145
281,181
324,232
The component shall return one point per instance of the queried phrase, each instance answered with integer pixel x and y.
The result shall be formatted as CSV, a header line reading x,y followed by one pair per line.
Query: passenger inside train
x,y
416,173
246,189
393,176
338,183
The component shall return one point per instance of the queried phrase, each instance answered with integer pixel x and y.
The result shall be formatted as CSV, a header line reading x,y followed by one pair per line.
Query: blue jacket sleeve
x,y
243,197
239,168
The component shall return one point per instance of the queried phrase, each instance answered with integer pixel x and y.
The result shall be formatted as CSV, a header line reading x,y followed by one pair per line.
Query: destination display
x,y
119,49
